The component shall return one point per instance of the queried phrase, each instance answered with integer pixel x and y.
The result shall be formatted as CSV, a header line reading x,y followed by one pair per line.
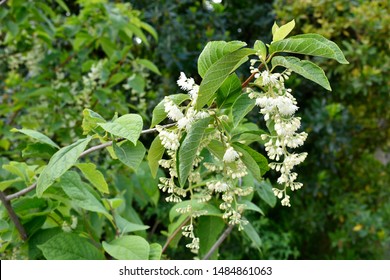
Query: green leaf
x,y
217,148
189,147
7,183
208,230
253,207
218,73
130,154
94,176
149,65
63,5
137,83
261,161
282,31
69,246
249,161
264,190
229,91
60,162
159,113
305,68
125,226
145,186
275,27
155,251
21,169
128,248
241,107
4,226
149,29
117,78
37,135
130,29
128,126
107,45
309,44
215,50
260,47
156,152
41,150
251,232
80,194
195,205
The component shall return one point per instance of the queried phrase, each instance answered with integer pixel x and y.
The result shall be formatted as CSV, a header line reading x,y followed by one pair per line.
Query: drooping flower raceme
x,y
278,107
224,173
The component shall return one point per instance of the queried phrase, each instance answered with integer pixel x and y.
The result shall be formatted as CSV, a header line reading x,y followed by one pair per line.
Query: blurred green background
x,y
343,211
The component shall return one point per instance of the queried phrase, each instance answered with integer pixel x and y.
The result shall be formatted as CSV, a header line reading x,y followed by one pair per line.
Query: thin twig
x,y
2,2
20,193
219,242
86,152
172,236
13,216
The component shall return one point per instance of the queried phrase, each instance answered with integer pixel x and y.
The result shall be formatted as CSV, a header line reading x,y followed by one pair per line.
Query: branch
x,y
219,242
247,81
86,152
2,2
13,216
170,238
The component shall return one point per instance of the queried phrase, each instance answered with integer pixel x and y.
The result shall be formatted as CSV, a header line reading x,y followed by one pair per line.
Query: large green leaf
x,y
94,176
156,152
215,50
241,107
189,147
128,248
37,135
155,251
80,194
218,73
259,159
305,68
128,126
253,207
264,190
149,65
251,232
69,246
310,44
126,226
130,154
60,162
159,113
208,230
229,91
217,148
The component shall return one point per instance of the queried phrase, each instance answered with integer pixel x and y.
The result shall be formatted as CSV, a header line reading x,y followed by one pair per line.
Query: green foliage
x,y
93,70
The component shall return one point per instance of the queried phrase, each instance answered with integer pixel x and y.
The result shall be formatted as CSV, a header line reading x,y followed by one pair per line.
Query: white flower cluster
x,y
229,185
184,116
93,79
278,106
30,59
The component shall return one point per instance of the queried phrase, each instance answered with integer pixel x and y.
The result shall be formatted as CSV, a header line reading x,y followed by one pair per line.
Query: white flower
x,y
173,112
230,155
286,201
286,105
269,78
185,83
169,140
